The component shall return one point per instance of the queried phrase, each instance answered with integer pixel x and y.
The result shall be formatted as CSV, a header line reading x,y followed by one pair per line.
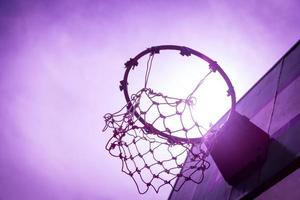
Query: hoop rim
x,y
184,51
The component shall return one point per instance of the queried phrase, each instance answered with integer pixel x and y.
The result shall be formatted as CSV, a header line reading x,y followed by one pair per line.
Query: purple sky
x,y
61,63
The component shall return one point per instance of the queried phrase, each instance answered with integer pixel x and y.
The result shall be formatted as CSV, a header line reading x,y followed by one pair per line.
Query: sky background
x,y
61,63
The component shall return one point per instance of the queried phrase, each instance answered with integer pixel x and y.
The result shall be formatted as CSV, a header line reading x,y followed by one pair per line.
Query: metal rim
x,y
184,51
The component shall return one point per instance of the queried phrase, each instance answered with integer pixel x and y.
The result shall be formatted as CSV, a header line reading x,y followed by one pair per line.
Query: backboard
x,y
273,105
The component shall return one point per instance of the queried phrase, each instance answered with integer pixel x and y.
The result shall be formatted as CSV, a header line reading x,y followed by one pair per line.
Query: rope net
x,y
154,136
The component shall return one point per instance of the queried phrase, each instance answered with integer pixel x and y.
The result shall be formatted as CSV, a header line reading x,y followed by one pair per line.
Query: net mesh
x,y
152,136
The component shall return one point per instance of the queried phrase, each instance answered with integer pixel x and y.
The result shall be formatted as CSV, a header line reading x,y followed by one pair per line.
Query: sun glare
x,y
177,76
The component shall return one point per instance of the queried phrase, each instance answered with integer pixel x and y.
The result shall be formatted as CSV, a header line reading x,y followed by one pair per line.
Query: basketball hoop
x,y
152,153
